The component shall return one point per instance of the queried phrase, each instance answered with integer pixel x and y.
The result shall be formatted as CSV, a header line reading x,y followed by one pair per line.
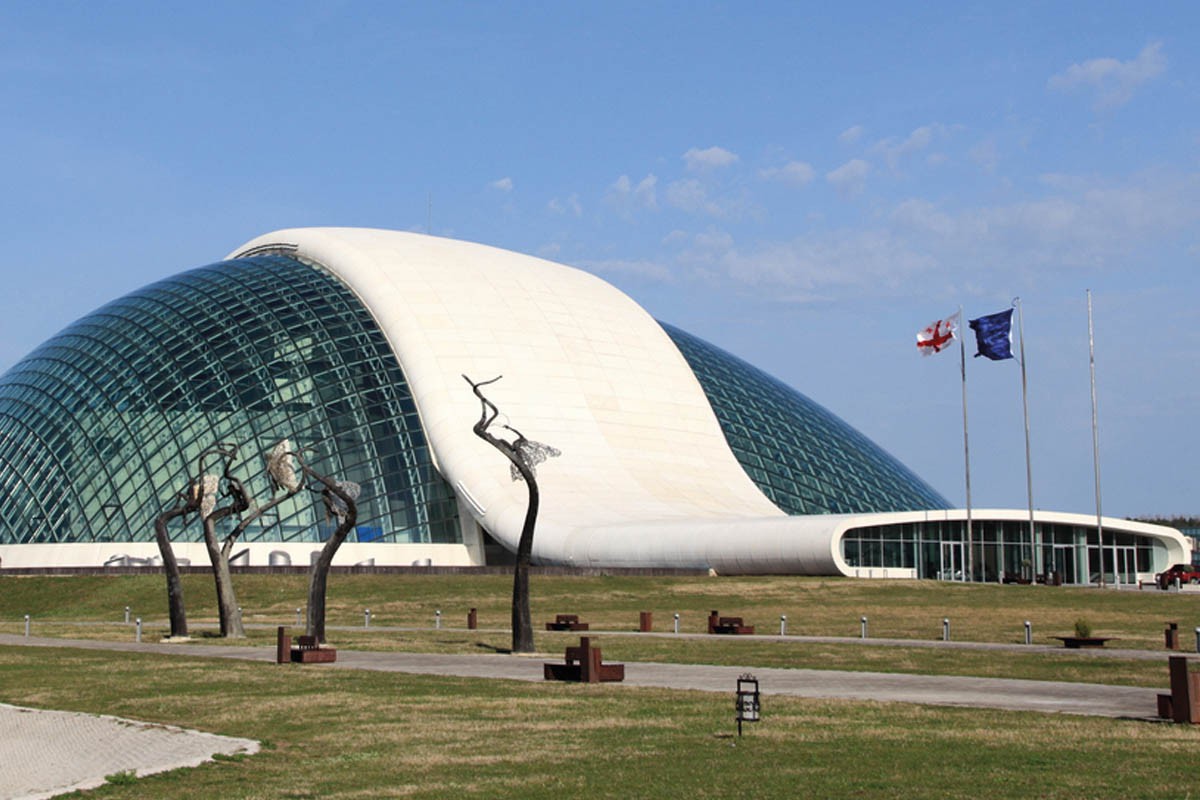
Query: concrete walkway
x,y
1018,695
47,753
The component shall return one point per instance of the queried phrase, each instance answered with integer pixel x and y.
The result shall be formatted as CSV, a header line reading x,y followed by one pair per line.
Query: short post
x,y
677,624
1028,632
945,629
437,619
138,636
783,624
863,623
1176,582
1171,636
366,617
646,621
27,629
1197,636
126,615
297,618
472,620
283,646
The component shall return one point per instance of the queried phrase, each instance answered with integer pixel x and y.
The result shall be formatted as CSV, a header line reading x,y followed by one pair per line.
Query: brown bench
x,y
583,664
1183,703
309,651
566,622
727,625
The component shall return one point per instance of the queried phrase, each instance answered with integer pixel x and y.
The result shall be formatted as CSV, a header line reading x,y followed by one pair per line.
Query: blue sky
x,y
804,186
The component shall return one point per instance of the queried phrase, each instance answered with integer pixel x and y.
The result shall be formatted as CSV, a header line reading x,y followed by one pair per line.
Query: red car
x,y
1186,573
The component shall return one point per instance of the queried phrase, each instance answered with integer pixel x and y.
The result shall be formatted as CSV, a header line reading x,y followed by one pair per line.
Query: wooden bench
x,y
583,664
1183,703
728,625
566,622
309,651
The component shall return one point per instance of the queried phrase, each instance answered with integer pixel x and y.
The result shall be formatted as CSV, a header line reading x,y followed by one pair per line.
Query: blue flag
x,y
993,335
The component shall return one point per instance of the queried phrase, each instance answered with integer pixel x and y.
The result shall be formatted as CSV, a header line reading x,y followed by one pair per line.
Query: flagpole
x,y
1033,547
1096,451
962,360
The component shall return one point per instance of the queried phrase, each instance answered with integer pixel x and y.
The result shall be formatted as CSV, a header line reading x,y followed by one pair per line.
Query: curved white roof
x,y
585,369
645,477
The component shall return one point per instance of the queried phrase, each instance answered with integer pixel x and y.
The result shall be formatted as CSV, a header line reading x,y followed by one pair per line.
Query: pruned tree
x,y
240,504
341,503
523,455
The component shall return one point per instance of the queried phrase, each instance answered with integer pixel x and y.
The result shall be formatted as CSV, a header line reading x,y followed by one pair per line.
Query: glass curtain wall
x,y
938,550
101,426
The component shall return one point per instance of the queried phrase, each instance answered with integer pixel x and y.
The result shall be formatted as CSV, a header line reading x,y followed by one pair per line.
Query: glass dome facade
x,y
805,459
101,426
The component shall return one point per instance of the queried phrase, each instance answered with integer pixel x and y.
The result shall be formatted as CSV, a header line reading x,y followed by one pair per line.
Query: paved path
x,y
1021,695
46,753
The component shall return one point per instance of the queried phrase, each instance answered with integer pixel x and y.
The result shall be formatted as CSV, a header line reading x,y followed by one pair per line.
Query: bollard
x,y
297,618
139,630
646,621
126,615
437,619
472,620
1197,638
677,622
945,629
1028,632
863,622
27,628
783,624
366,617
1176,582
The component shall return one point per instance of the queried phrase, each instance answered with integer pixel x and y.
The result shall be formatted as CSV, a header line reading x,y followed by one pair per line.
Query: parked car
x,y
1186,573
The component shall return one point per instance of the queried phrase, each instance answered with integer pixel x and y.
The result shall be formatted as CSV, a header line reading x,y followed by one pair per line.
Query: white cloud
x,y
503,185
851,135
712,158
797,173
627,198
691,196
893,150
851,177
1076,224
1112,81
570,205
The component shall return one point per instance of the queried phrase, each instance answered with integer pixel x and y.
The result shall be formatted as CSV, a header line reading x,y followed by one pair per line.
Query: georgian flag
x,y
938,335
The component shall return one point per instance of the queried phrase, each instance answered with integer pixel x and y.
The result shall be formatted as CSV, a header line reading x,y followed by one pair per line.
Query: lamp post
x,y
747,701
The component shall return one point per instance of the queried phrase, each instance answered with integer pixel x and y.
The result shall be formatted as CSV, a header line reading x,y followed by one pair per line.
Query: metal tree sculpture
x,y
278,469
523,455
340,498
189,501
210,514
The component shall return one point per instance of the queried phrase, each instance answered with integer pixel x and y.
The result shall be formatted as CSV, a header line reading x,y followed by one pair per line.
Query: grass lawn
x,y
830,607
330,733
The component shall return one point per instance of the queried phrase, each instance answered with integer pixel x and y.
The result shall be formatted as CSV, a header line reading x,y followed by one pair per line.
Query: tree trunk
x,y
522,622
227,607
319,574
178,614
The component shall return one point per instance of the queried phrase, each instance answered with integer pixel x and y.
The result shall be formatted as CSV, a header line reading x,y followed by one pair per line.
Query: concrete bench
x,y
583,664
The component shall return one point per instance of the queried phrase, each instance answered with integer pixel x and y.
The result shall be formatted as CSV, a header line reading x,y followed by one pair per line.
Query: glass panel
x,y
100,425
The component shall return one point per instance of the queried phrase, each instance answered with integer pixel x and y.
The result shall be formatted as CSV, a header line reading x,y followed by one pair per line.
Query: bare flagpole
x,y
1096,450
1033,548
962,360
